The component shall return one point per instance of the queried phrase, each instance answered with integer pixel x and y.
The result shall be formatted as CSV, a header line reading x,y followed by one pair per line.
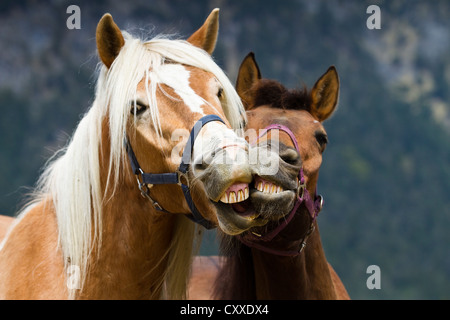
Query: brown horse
x,y
283,259
92,230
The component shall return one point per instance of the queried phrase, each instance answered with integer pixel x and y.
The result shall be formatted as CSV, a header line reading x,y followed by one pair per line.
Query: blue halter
x,y
179,177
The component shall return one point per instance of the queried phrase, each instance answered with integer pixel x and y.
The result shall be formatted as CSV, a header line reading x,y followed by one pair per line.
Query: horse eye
x,y
137,107
220,93
322,139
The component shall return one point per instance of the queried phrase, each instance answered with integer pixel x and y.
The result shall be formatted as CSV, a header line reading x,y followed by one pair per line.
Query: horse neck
x,y
253,274
305,276
132,258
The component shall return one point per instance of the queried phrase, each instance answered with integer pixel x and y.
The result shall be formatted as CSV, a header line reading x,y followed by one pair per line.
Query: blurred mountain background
x,y
386,171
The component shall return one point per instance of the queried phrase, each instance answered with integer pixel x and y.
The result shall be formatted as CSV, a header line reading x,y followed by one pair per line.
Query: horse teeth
x,y
259,187
232,197
237,195
268,187
240,196
224,198
246,193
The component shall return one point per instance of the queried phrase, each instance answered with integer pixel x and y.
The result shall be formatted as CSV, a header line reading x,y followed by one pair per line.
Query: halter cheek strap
x,y
147,180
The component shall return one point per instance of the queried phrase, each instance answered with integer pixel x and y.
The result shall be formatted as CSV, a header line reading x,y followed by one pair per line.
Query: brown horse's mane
x,y
274,94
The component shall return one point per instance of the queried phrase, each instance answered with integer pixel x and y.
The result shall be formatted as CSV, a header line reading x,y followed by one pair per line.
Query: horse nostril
x,y
199,167
290,156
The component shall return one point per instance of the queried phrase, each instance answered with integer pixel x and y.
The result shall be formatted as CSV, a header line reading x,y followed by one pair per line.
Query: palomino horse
x,y
5,222
92,230
283,259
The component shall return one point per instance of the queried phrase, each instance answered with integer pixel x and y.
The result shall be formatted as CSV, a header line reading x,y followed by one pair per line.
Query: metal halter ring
x,y
321,202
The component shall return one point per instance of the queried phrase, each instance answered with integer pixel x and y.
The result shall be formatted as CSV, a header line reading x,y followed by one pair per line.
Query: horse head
x,y
158,91
301,112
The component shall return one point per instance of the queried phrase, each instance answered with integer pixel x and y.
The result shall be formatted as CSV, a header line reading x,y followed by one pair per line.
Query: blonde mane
x,y
72,179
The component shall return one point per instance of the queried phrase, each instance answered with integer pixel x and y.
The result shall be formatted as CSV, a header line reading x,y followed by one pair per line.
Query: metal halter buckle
x,y
143,187
305,238
183,176
145,190
301,190
302,246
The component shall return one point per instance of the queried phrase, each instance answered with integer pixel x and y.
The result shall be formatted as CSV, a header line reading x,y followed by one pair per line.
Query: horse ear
x,y
109,40
206,36
325,94
248,75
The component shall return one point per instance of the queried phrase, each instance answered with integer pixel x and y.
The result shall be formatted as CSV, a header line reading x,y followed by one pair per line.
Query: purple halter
x,y
254,240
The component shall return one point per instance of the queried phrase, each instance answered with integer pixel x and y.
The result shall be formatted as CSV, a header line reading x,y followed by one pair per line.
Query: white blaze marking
x,y
177,77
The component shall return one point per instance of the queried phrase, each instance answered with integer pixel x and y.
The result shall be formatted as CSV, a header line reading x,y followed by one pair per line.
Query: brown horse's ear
x,y
109,40
206,36
325,94
248,75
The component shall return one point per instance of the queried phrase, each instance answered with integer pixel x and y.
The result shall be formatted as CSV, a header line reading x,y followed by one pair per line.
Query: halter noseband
x,y
147,180
256,240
